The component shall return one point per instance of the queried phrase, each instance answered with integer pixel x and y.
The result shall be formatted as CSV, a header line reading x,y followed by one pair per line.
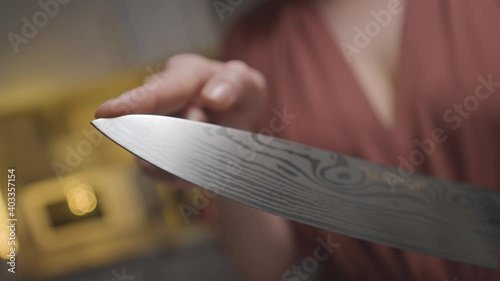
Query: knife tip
x,y
98,123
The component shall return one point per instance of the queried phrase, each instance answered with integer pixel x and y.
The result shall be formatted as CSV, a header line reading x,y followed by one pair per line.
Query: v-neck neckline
x,y
360,94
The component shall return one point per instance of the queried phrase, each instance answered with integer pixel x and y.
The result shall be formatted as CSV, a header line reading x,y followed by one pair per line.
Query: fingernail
x,y
195,114
221,93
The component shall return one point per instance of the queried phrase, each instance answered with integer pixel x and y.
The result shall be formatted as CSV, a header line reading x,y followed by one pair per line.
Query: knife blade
x,y
323,189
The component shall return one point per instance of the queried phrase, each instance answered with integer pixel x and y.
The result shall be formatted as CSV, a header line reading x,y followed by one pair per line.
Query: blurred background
x,y
84,210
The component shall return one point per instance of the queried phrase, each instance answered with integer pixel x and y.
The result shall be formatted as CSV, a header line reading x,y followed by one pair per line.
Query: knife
x,y
323,189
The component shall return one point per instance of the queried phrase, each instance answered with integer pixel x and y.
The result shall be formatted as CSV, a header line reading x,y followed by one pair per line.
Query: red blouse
x,y
449,79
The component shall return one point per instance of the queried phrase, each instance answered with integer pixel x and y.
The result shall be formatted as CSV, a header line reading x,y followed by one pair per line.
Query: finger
x,y
235,84
195,113
164,93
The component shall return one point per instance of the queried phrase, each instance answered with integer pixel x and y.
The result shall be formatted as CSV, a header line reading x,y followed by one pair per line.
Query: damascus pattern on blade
x,y
323,189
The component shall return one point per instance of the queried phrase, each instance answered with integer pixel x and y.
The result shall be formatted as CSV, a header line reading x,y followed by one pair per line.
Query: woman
x,y
367,78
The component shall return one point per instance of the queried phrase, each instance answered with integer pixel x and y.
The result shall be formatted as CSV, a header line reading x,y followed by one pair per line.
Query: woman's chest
x,y
369,35
448,77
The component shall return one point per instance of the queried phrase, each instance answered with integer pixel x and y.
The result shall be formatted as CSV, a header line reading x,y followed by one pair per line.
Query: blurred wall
x,y
59,59
82,40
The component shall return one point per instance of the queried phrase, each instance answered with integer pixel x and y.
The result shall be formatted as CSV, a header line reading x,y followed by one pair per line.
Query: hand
x,y
230,94
193,87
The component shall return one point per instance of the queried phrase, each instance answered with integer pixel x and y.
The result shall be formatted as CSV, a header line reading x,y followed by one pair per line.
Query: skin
x,y
376,67
232,94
